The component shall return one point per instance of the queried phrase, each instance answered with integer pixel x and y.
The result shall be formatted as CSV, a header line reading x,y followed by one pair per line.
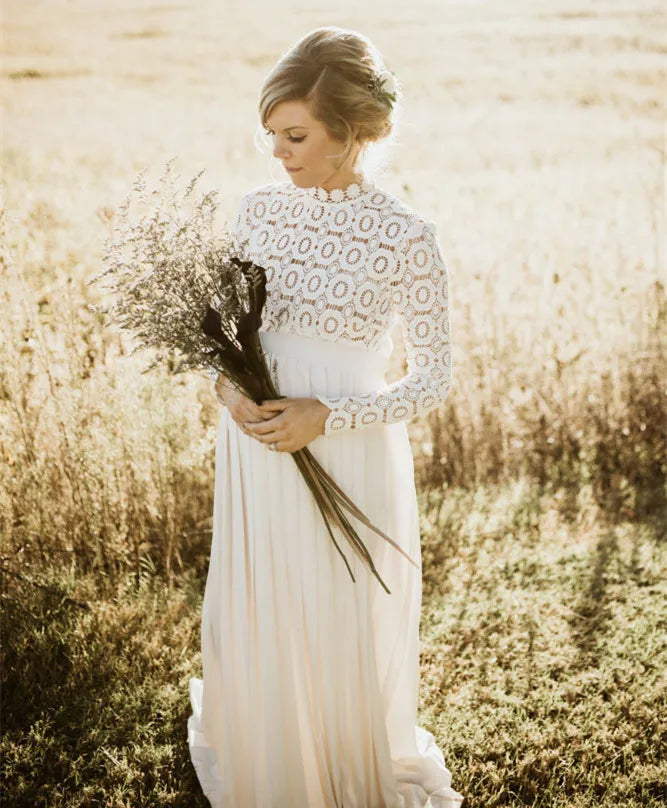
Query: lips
x,y
292,170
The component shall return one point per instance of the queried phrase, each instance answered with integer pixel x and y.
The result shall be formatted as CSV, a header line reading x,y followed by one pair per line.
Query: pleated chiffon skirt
x,y
310,680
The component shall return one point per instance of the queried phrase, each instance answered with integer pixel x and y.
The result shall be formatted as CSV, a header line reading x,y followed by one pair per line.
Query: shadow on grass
x,y
94,698
532,680
591,611
598,591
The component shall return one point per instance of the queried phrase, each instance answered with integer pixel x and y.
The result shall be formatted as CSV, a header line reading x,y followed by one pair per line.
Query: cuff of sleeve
x,y
338,419
327,403
335,420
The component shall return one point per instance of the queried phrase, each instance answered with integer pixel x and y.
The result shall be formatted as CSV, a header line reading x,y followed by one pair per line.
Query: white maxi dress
x,y
310,680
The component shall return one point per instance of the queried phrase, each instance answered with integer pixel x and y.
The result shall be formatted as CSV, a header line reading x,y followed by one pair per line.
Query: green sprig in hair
x,y
383,85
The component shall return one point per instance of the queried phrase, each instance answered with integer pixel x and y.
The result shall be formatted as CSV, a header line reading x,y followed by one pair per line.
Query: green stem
x,y
349,504
345,526
321,504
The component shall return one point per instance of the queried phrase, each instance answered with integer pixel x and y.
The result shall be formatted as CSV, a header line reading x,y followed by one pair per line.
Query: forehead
x,y
291,113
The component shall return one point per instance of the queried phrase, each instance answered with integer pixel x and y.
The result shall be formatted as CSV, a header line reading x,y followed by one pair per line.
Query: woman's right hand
x,y
240,407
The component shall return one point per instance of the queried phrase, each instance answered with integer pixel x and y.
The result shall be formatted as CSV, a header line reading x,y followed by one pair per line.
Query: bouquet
x,y
182,290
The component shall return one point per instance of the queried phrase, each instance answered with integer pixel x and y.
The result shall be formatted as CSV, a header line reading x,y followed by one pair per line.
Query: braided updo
x,y
341,75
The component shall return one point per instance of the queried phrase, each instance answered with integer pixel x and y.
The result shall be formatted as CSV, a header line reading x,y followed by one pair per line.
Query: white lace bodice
x,y
342,265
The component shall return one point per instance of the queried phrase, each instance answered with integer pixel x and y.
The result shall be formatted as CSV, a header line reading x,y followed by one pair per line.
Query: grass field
x,y
533,134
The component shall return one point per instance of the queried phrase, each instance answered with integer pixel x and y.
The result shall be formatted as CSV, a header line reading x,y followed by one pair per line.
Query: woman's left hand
x,y
296,422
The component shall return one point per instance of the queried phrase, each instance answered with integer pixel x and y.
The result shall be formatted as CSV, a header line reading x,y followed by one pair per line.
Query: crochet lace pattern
x,y
341,265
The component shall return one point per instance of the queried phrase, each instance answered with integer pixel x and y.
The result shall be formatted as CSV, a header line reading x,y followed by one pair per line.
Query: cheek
x,y
305,150
311,152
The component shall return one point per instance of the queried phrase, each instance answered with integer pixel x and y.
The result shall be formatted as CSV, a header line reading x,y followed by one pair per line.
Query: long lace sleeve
x,y
240,233
421,302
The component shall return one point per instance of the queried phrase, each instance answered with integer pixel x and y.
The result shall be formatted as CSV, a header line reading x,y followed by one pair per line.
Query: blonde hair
x,y
333,70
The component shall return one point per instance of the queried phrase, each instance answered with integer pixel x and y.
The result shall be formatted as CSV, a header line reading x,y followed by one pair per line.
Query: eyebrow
x,y
289,128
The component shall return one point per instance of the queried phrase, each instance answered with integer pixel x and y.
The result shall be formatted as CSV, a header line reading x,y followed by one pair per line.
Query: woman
x,y
310,680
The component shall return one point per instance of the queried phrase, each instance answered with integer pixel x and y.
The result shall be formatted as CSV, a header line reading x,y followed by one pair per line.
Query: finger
x,y
269,418
259,418
247,431
262,427
285,446
252,413
265,435
273,404
272,437
261,415
256,418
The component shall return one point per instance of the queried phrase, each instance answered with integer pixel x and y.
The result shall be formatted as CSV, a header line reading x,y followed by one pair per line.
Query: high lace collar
x,y
352,191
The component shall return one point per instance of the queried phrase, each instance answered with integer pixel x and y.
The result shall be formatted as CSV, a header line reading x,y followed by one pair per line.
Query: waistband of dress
x,y
326,352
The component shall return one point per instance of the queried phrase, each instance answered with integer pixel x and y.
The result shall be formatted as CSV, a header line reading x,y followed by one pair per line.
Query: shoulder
x,y
265,191
254,203
417,242
413,225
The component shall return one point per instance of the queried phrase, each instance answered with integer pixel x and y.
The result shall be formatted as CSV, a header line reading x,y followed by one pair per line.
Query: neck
x,y
338,180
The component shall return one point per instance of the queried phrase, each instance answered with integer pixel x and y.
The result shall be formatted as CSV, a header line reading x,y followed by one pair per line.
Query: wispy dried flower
x,y
165,269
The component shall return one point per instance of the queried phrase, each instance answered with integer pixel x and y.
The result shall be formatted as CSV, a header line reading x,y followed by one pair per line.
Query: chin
x,y
297,179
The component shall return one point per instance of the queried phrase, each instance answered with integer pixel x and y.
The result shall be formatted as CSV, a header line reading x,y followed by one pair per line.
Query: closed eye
x,y
290,138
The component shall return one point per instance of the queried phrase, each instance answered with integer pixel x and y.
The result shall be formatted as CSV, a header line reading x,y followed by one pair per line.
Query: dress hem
x,y
210,780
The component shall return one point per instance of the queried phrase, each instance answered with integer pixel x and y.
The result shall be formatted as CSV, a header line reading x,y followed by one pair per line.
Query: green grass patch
x,y
541,664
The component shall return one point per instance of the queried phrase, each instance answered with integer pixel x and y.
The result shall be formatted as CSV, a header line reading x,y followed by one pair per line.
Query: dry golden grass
x,y
533,139
533,135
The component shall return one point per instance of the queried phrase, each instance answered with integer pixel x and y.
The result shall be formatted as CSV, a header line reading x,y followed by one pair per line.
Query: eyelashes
x,y
290,138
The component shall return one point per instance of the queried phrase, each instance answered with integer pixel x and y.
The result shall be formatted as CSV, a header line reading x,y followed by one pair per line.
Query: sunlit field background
x,y
533,134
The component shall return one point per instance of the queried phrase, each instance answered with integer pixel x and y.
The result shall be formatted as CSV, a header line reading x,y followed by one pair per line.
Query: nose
x,y
279,149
